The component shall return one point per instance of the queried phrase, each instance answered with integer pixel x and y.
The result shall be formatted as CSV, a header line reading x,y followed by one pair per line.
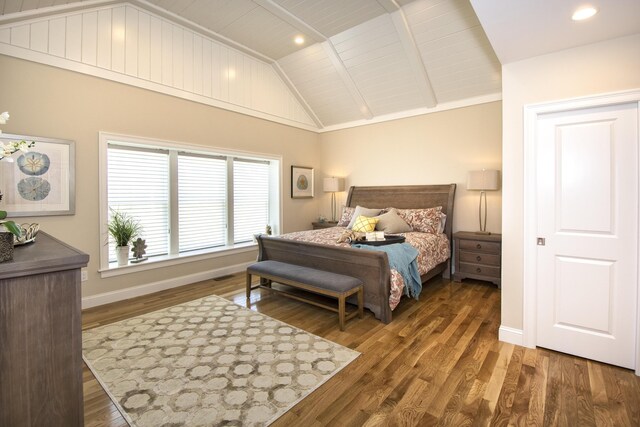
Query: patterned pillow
x,y
347,214
423,220
364,224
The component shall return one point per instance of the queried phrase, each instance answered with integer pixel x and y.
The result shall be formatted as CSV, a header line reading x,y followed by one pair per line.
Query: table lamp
x,y
333,185
484,180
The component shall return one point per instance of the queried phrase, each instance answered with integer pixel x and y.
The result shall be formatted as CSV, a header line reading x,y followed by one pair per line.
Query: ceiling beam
x,y
297,94
389,5
347,80
291,19
413,54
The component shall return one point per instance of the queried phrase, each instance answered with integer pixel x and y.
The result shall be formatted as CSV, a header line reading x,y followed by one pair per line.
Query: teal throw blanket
x,y
403,258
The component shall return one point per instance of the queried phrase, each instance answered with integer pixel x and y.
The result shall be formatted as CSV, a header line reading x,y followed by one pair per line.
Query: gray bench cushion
x,y
309,276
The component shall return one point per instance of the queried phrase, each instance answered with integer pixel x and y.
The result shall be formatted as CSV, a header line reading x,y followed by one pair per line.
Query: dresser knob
x,y
478,258
478,246
478,270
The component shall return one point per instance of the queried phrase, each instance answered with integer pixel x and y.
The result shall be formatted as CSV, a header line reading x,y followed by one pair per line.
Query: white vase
x,y
122,254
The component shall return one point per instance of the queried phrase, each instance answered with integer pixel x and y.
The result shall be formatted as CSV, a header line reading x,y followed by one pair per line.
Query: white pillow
x,y
443,222
360,211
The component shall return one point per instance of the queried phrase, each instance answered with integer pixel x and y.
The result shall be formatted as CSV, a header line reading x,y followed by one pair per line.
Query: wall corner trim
x,y
149,288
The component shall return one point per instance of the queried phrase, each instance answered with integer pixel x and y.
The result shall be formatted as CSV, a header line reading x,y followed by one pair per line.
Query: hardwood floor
x,y
438,363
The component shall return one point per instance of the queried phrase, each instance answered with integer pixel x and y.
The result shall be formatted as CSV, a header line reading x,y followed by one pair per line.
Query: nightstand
x,y
326,224
477,256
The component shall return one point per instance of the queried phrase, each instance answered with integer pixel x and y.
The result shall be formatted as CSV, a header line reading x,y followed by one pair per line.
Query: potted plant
x,y
123,228
8,228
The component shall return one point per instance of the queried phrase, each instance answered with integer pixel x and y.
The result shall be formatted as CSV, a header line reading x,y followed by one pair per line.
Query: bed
x,y
372,267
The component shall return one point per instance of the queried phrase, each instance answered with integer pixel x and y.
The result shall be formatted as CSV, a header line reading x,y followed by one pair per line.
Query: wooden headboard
x,y
407,197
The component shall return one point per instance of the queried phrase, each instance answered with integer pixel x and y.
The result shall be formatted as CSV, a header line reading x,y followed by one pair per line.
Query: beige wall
x,y
56,103
438,148
609,66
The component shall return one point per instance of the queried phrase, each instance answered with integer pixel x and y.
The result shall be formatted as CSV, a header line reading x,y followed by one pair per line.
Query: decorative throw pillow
x,y
364,224
347,214
423,220
391,222
364,212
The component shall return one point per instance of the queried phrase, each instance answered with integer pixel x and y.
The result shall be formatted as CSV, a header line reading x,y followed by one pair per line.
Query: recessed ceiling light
x,y
299,40
584,13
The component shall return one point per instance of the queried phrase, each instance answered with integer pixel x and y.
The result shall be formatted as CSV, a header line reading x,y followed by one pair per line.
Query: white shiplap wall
x,y
133,46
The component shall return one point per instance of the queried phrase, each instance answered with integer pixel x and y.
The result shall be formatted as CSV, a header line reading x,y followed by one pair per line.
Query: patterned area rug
x,y
209,362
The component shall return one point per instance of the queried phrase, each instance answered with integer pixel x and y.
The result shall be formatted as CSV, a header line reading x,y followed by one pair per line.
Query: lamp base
x,y
483,232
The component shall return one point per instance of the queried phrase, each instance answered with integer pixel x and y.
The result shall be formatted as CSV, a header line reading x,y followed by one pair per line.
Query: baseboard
x,y
511,335
149,288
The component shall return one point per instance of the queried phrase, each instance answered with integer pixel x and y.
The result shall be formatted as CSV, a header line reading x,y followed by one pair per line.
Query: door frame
x,y
531,116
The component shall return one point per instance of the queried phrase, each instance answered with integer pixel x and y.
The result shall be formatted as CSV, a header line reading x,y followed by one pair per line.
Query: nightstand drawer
x,y
478,246
479,258
481,270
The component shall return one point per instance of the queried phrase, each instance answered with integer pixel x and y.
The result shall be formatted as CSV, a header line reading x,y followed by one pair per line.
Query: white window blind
x,y
250,198
202,201
138,184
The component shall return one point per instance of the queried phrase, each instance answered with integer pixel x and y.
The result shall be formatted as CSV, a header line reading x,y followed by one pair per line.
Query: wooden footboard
x,y
371,267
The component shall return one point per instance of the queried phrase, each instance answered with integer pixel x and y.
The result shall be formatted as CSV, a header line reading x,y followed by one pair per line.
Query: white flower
x,y
4,117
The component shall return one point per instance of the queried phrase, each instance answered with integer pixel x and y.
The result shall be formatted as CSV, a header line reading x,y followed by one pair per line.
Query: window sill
x,y
113,270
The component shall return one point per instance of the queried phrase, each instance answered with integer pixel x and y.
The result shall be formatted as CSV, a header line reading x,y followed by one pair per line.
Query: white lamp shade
x,y
332,185
483,180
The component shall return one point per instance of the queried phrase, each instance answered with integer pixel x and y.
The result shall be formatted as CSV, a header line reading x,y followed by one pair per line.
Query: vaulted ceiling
x,y
361,59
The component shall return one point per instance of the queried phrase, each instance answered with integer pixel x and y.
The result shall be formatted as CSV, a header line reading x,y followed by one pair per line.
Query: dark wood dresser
x,y
41,335
477,256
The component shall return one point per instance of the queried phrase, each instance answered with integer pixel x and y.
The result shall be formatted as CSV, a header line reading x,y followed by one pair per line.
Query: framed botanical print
x,y
41,181
301,182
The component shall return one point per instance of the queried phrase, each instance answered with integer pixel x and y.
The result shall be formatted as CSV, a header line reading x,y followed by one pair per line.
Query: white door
x,y
587,211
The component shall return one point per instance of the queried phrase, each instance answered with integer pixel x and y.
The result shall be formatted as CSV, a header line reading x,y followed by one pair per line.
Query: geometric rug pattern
x,y
208,362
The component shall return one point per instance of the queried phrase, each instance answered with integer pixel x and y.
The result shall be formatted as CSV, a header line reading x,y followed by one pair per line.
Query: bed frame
x,y
372,267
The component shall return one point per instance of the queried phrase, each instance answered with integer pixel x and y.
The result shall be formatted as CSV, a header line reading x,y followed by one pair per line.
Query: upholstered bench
x,y
311,280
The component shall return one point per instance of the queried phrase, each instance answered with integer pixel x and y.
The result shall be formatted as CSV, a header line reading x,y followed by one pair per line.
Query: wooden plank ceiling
x,y
361,59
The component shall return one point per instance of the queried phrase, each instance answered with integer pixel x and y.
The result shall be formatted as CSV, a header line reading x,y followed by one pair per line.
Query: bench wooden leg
x,y
361,302
248,288
341,310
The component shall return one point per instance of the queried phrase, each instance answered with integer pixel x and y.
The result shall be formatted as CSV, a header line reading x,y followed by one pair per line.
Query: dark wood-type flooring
x,y
438,363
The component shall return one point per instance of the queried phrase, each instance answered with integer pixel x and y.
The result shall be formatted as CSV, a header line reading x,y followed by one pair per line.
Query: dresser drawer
x,y
481,270
479,258
478,246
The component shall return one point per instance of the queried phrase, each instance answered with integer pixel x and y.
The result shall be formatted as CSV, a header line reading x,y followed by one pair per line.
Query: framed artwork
x,y
40,182
301,182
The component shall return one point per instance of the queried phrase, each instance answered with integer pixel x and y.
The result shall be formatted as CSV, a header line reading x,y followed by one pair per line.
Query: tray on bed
x,y
389,239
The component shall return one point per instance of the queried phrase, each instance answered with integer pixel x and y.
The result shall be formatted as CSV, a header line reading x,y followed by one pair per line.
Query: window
x,y
189,201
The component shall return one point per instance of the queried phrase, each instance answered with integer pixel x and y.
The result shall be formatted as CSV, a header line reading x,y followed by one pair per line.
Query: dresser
x,y
477,256
41,335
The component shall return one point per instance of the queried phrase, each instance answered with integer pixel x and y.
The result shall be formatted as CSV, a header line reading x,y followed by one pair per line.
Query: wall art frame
x,y
301,182
40,182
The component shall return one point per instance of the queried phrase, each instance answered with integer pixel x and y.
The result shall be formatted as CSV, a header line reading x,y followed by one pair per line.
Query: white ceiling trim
x,y
364,108
389,5
469,102
413,54
50,10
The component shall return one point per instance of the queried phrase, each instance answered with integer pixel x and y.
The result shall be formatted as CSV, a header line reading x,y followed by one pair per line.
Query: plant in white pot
x,y
123,228
8,228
